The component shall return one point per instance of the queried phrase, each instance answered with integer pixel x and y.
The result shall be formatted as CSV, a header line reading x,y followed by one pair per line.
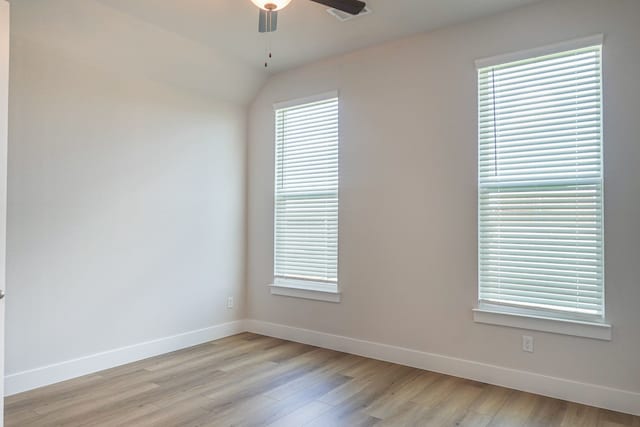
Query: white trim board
x,y
574,44
306,100
39,377
598,331
305,292
559,388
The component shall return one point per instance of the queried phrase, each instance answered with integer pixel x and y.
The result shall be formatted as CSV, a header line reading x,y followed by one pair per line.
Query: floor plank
x,y
251,380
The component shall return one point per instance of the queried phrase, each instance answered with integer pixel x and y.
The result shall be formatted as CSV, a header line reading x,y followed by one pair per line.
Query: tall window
x,y
306,193
540,184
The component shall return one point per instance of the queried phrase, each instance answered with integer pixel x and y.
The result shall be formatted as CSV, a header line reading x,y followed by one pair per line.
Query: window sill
x,y
577,328
307,290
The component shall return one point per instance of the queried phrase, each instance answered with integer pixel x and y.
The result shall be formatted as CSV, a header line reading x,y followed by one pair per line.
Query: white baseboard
x,y
574,391
559,388
39,377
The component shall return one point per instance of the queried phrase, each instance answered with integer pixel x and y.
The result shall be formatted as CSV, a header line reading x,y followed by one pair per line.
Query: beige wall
x,y
126,208
408,193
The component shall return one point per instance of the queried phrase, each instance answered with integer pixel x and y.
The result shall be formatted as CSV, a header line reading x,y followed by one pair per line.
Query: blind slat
x,y
306,192
540,184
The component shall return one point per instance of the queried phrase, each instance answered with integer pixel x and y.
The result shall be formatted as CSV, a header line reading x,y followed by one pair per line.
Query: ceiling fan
x,y
268,19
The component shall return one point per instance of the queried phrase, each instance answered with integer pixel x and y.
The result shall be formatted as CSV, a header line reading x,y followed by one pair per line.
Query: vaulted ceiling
x,y
213,45
306,31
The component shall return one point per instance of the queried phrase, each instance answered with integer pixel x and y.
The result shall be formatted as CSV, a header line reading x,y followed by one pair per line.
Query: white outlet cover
x,y
230,302
527,343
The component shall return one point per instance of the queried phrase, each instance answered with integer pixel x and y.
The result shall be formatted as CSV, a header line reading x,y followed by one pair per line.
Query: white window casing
x,y
306,198
540,186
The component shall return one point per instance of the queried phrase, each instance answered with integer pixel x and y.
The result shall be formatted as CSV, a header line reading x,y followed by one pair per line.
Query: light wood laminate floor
x,y
252,380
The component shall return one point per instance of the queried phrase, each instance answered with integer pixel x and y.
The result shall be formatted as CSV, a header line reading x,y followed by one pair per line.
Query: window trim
x,y
306,100
306,289
540,51
576,328
540,321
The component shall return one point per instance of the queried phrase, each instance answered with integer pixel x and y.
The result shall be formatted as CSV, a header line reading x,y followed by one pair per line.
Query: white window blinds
x,y
306,192
540,184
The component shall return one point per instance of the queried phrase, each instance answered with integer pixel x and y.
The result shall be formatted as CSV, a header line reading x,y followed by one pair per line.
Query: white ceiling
x,y
306,32
90,32
213,47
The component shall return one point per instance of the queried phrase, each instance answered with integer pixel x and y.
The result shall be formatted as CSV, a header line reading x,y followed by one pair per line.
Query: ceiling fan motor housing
x,y
268,17
271,5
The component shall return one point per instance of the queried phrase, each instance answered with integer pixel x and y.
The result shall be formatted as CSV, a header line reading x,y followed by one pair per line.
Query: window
x,y
306,194
540,184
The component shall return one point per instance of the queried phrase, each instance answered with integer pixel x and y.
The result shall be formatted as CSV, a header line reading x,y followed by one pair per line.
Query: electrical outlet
x,y
230,302
527,343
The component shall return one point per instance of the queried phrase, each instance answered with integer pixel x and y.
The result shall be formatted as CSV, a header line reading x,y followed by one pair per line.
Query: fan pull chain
x,y
267,51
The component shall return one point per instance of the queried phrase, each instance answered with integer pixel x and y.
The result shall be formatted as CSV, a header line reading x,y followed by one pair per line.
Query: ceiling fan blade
x,y
267,21
352,7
